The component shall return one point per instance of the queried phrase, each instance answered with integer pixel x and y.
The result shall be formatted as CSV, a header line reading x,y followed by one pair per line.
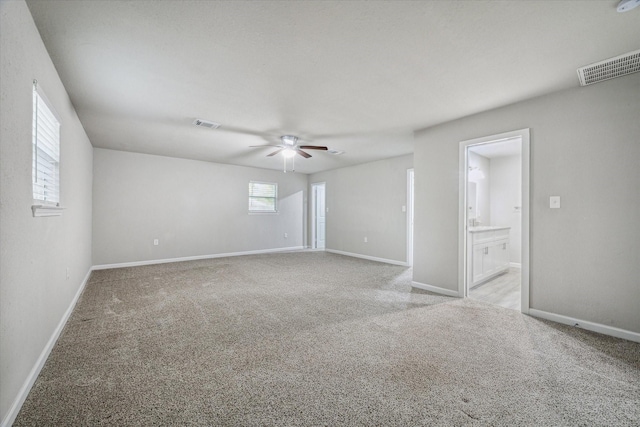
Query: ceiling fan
x,y
290,147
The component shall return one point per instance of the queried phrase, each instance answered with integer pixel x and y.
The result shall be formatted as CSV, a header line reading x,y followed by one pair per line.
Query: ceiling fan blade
x,y
275,152
303,154
313,147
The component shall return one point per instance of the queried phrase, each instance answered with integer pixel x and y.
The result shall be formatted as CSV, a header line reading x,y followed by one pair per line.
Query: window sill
x,y
46,210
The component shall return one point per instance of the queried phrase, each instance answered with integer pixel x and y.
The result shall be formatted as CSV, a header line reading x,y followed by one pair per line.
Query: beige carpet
x,y
312,338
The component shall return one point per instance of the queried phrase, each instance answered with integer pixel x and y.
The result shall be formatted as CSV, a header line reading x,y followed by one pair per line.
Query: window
x,y
262,196
46,151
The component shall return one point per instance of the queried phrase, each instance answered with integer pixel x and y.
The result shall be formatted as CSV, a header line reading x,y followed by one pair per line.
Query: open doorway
x,y
318,216
409,208
494,219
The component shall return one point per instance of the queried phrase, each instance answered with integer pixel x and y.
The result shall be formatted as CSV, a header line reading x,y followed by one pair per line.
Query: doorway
x,y
318,216
410,186
494,219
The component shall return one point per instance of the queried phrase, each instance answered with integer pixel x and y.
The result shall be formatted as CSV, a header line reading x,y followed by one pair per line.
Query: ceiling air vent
x,y
206,124
610,68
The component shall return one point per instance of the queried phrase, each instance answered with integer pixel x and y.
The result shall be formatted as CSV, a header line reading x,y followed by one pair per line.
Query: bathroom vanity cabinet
x,y
489,250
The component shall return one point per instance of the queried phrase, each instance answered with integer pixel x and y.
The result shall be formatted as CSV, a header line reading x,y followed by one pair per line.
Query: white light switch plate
x,y
554,202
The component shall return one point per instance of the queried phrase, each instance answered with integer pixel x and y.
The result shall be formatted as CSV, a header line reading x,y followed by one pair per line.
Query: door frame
x,y
314,237
410,213
463,256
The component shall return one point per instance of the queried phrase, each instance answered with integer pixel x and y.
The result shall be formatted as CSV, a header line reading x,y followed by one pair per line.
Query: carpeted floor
x,y
312,338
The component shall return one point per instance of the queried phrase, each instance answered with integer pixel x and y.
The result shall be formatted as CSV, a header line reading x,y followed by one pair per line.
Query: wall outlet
x,y
156,242
286,235
366,240
404,208
554,202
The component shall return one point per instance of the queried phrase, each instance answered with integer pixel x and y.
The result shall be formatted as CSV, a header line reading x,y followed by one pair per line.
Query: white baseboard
x,y
35,371
370,258
194,258
515,265
590,326
435,289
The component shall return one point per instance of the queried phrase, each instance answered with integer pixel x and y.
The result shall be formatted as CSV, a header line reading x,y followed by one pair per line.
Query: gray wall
x,y
505,191
194,208
585,148
366,201
35,252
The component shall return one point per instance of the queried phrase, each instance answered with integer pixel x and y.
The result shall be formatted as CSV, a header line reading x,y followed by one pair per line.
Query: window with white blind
x,y
263,196
46,151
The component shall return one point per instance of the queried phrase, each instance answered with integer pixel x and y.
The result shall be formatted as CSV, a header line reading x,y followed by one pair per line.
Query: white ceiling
x,y
356,76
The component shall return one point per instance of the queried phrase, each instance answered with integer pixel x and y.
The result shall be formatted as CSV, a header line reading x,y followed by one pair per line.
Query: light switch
x,y
554,202
404,208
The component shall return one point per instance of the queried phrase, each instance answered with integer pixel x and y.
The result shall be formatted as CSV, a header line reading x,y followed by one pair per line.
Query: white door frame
x,y
463,221
410,211
314,237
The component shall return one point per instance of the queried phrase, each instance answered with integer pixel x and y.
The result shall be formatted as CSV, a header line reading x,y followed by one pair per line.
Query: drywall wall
x,y
483,187
505,189
193,208
584,148
366,201
35,292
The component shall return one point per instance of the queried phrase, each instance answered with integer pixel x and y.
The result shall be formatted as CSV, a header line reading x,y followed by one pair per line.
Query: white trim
x,y
583,324
370,258
435,289
194,258
524,135
515,265
35,371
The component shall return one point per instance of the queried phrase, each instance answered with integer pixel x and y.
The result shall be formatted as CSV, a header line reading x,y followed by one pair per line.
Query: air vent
x,y
610,68
206,124
335,152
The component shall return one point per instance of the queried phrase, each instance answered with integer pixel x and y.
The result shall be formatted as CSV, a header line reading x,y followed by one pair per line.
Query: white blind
x,y
262,196
46,152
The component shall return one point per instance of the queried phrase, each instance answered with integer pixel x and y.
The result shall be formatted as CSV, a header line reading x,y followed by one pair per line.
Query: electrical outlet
x,y
156,242
366,240
404,208
554,202
286,235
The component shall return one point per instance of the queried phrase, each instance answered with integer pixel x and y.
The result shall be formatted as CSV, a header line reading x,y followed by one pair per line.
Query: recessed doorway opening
x,y
494,219
318,215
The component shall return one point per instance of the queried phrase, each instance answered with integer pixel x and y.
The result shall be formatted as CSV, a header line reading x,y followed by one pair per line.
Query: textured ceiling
x,y
356,76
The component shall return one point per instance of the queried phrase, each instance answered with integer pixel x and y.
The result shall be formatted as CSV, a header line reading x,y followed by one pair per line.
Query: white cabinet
x,y
489,253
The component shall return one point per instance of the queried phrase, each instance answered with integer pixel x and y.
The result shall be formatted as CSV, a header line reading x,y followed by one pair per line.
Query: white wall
x,y
194,208
366,201
483,187
35,252
505,190
584,148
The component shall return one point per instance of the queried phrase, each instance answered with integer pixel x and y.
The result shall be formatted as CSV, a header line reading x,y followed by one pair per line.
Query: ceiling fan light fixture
x,y
289,139
288,153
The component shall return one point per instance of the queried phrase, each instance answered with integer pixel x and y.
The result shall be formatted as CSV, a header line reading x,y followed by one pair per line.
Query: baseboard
x,y
435,289
370,258
590,326
35,371
194,258
515,265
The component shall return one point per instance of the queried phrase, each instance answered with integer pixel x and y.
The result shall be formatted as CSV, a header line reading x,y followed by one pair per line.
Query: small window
x,y
263,196
46,151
